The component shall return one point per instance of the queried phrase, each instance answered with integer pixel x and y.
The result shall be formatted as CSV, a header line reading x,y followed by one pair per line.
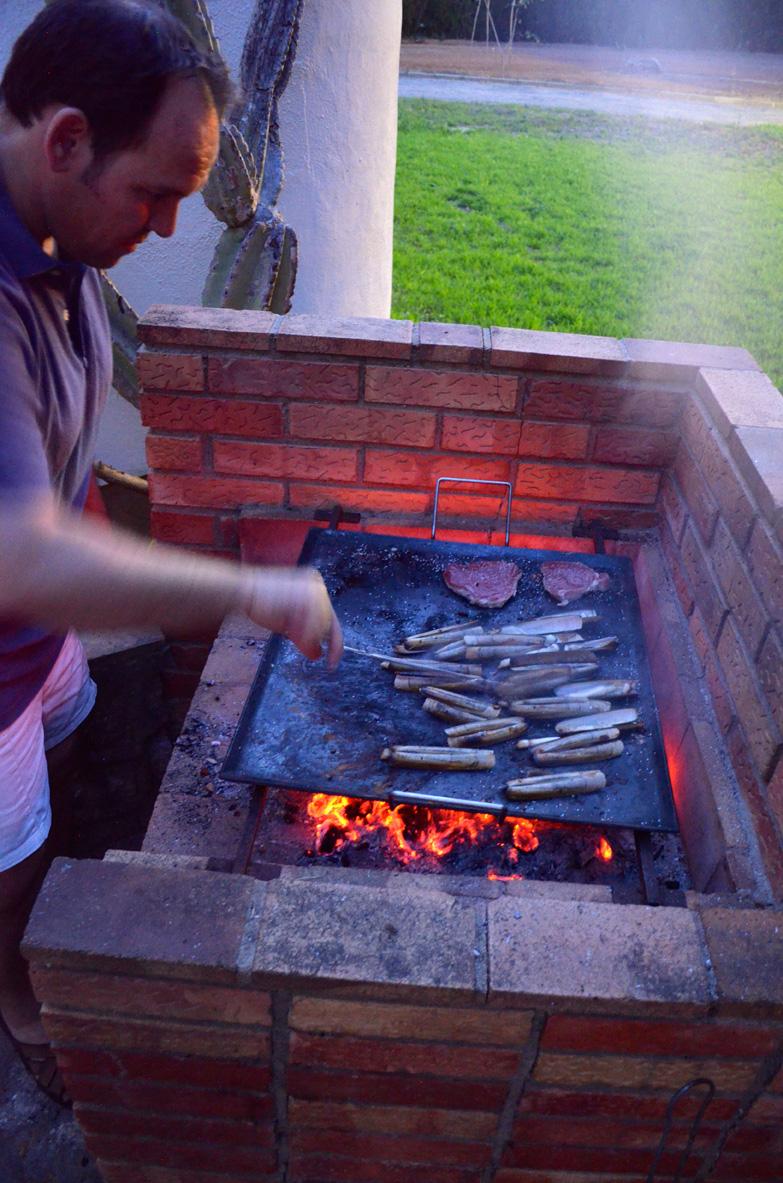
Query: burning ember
x,y
604,852
411,834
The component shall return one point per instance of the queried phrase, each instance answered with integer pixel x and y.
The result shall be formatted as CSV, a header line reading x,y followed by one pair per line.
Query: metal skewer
x,y
366,653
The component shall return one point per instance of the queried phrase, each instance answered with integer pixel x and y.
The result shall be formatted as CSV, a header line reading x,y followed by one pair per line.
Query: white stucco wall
x,y
338,129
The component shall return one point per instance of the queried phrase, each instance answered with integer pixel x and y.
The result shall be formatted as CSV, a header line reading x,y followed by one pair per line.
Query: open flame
x,y
604,851
414,834
411,832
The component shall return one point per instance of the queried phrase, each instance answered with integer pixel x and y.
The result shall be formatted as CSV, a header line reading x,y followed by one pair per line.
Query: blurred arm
x,y
60,570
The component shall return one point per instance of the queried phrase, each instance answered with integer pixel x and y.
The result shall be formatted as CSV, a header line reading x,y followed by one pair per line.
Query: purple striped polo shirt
x,y
55,371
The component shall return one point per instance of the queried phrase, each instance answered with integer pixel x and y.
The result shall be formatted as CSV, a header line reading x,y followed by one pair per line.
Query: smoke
x,y
656,24
631,24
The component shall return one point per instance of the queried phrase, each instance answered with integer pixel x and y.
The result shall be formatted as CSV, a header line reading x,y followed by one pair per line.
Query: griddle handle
x,y
335,515
597,531
466,480
644,861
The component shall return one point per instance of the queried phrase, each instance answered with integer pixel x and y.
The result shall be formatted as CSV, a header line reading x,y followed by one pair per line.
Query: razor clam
x,y
598,645
566,622
577,669
558,708
412,665
610,688
454,651
541,741
518,652
445,652
489,735
623,719
553,656
449,714
439,636
560,784
520,683
584,755
484,710
527,650
515,687
481,725
451,681
464,759
582,739
501,638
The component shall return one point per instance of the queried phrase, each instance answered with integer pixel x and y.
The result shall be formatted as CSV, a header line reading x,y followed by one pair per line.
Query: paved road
x,y
572,98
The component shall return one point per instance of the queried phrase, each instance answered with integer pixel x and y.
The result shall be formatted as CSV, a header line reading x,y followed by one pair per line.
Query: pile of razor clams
x,y
487,684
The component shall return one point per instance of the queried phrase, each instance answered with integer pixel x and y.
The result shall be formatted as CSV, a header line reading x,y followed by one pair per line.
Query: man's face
x,y
105,210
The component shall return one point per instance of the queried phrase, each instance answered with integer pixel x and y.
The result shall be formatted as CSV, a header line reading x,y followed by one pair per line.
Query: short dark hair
x,y
113,60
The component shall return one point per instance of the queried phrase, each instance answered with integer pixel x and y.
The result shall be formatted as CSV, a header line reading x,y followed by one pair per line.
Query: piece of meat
x,y
487,583
567,582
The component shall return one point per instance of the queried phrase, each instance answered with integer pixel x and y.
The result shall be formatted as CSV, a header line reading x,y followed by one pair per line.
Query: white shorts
x,y
63,702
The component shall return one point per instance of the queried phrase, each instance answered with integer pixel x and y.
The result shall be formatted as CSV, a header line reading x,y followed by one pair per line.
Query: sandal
x,y
40,1062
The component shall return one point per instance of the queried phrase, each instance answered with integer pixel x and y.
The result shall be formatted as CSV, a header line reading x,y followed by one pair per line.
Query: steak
x,y
488,583
569,581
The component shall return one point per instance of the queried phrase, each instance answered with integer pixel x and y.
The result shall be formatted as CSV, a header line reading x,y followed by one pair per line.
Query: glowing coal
x,y
410,835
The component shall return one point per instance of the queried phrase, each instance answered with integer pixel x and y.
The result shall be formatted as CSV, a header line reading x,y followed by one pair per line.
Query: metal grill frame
x,y
305,728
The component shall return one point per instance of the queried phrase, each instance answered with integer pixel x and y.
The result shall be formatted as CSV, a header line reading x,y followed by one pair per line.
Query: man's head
x,y
120,111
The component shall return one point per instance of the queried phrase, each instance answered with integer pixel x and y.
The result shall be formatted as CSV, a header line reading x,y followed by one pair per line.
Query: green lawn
x,y
589,224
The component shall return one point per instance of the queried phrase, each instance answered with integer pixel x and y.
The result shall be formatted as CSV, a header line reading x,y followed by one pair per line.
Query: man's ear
x,y
67,141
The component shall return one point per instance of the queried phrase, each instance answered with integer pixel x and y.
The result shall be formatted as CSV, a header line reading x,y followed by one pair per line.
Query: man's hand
x,y
294,601
62,571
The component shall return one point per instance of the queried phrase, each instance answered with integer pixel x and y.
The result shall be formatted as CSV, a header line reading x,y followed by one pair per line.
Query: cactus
x,y
122,321
231,193
253,267
254,263
194,15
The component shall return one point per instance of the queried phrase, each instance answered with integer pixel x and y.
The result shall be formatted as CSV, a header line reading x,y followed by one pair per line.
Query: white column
x,y
338,127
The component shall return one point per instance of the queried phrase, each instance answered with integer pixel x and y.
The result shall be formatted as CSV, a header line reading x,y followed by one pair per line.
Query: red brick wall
x,y
236,420
214,1028
289,415
722,533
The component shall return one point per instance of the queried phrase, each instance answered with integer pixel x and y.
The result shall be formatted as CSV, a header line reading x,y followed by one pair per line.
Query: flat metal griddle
x,y
304,727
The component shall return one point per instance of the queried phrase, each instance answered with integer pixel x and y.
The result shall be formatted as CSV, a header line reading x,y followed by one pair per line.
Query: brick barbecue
x,y
371,1026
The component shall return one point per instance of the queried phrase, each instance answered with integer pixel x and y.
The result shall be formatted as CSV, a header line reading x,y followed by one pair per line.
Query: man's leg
x,y
19,887
68,698
24,860
41,746
64,763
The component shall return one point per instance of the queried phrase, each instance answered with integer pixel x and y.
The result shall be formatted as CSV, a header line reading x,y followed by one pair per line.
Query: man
x,y
110,117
